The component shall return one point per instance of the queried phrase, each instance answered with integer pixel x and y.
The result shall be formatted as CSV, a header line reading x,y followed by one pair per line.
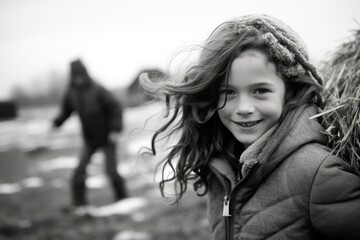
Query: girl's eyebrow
x,y
257,84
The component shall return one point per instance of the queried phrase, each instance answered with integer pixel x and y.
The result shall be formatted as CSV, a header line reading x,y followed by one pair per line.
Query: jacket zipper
x,y
229,204
221,180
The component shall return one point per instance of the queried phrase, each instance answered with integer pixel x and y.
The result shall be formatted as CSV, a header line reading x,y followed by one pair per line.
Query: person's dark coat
x,y
98,110
298,190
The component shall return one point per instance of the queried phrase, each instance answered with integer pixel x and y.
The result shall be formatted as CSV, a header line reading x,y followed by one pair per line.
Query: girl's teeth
x,y
250,124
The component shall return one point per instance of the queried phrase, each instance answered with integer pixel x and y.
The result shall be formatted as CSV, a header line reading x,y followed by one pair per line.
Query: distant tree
x,y
41,92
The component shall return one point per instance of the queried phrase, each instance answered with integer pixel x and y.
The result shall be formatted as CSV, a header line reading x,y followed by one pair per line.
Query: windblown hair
x,y
192,105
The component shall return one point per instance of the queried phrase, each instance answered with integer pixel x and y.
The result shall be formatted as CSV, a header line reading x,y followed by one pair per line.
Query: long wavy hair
x,y
192,105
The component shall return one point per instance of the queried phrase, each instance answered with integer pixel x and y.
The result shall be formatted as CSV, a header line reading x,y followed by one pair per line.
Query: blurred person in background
x,y
100,116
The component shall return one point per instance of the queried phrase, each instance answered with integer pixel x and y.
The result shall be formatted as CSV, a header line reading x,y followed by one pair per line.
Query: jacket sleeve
x,y
113,109
334,202
65,111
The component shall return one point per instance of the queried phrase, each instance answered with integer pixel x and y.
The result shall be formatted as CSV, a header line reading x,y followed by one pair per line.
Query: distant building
x,y
134,95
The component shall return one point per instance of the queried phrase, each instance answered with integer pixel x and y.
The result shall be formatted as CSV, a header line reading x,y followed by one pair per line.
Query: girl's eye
x,y
227,92
260,91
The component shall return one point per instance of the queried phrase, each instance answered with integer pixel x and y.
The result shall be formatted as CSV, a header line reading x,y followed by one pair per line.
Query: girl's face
x,y
254,97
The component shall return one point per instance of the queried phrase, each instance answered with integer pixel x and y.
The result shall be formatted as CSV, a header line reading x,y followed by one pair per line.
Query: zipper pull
x,y
226,206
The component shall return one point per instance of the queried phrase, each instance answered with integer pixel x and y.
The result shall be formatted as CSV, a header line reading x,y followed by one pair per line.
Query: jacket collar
x,y
275,145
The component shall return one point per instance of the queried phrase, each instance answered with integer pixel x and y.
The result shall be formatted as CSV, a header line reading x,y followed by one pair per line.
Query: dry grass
x,y
341,116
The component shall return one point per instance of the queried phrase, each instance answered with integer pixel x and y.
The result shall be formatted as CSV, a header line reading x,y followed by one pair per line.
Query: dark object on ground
x,y
8,110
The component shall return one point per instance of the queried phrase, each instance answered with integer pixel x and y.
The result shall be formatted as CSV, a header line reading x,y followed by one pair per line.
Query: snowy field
x,y
36,164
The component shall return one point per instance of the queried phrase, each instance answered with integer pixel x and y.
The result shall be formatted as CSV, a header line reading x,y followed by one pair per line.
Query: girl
x,y
243,112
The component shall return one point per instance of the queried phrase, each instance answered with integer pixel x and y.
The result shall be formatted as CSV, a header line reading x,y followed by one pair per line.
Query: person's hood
x,y
77,68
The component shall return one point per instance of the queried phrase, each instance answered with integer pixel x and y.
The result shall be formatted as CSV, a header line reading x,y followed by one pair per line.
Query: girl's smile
x,y
247,124
253,98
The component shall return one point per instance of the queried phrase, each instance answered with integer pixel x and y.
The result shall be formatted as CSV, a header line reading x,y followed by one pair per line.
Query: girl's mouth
x,y
248,124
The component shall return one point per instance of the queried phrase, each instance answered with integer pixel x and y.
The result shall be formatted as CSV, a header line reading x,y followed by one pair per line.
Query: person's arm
x,y
65,111
334,202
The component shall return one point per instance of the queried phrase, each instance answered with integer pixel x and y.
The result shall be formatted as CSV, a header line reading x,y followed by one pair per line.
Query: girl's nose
x,y
245,107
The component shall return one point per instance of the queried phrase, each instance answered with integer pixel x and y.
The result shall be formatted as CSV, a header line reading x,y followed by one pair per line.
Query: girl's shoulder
x,y
310,156
315,164
320,158
334,199
336,174
327,173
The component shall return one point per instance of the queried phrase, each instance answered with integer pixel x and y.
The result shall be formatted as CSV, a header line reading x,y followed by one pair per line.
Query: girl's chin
x,y
246,142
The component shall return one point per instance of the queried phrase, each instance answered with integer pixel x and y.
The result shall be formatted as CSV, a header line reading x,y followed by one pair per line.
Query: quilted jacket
x,y
297,190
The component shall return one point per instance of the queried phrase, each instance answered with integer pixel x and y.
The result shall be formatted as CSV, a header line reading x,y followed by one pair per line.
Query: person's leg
x,y
78,186
111,170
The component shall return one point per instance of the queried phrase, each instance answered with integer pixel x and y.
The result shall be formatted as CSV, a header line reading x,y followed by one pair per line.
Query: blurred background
x,y
116,40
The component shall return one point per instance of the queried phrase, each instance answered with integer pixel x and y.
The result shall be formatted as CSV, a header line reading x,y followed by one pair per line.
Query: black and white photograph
x,y
179,120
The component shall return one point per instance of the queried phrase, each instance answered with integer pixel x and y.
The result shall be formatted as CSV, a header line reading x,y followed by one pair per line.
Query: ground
x,y
36,164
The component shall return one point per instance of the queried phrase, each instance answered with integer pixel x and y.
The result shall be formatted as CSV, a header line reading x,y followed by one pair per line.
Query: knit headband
x,y
283,44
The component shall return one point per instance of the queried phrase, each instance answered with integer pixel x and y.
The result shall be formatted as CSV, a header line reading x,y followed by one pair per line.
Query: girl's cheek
x,y
273,109
228,108
224,114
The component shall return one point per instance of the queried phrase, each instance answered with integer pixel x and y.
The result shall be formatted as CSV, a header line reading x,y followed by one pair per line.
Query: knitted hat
x,y
282,43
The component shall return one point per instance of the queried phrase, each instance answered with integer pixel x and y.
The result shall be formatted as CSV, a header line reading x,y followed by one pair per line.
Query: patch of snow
x,y
9,188
99,181
58,163
32,182
132,235
122,207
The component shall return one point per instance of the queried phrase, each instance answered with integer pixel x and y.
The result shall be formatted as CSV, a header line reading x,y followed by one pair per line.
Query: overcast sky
x,y
117,38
